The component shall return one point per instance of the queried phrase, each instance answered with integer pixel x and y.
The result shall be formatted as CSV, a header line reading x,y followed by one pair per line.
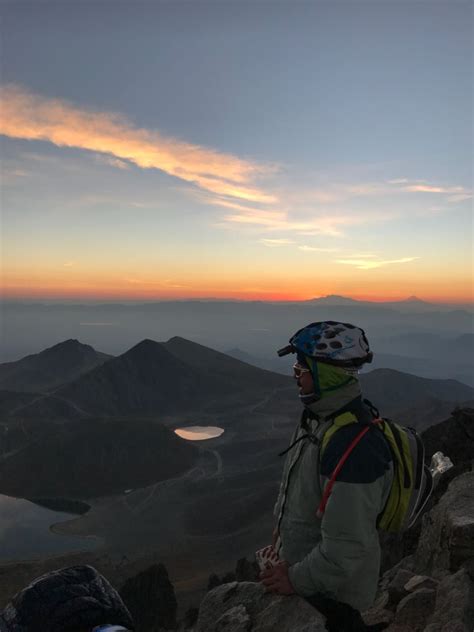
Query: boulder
x,y
420,581
246,571
151,600
236,619
454,606
246,607
396,588
388,576
414,610
447,535
379,612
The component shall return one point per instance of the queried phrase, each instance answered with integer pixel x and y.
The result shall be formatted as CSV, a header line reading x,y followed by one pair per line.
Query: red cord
x,y
338,468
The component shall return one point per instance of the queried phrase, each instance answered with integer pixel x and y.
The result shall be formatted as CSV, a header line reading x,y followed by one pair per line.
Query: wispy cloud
x,y
455,193
33,117
113,162
160,283
276,242
69,264
362,264
460,197
275,219
316,249
431,188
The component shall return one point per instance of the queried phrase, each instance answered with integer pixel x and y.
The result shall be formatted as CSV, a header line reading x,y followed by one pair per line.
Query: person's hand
x,y
276,580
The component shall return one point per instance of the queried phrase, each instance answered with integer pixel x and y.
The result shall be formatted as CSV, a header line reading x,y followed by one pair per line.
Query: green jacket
x,y
339,554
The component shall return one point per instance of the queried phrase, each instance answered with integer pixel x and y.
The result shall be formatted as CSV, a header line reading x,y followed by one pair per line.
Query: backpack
x,y
412,482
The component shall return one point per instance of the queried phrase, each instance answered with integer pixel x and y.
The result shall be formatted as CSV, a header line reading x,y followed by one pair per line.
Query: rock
x,y
415,609
213,581
420,581
234,620
454,607
379,612
246,571
151,600
447,535
78,597
230,604
406,563
228,578
396,588
190,617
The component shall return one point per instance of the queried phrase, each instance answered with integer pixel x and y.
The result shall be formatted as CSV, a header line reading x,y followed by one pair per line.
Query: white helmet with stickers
x,y
340,344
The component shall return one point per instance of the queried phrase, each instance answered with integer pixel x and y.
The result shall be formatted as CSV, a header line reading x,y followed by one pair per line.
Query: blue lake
x,y
25,531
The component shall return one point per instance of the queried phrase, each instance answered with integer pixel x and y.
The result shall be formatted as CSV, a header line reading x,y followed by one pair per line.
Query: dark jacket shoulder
x,y
368,461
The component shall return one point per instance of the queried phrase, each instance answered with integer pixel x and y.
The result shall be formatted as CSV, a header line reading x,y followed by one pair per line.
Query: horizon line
x,y
229,299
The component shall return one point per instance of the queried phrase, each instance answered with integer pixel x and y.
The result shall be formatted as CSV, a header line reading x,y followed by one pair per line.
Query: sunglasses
x,y
299,370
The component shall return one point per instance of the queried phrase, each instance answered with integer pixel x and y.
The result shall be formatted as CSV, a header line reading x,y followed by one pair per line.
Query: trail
x,y
53,395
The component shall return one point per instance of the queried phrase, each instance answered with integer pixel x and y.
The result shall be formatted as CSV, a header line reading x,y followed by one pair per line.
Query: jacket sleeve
x,y
348,525
348,533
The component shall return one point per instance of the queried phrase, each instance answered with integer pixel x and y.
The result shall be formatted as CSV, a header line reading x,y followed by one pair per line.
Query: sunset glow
x,y
267,172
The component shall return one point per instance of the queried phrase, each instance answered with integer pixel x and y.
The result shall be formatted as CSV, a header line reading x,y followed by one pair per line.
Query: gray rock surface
x,y
454,606
420,581
245,607
415,609
447,535
396,588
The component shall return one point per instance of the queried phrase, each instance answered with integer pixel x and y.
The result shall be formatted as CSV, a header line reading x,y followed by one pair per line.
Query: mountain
x,y
410,399
155,378
52,367
333,299
94,458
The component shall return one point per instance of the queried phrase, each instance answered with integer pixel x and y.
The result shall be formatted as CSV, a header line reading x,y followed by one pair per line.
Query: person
x,y
331,555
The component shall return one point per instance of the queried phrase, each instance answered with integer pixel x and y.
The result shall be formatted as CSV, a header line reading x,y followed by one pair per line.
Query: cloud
x,y
461,197
166,283
315,249
361,264
69,264
458,193
431,188
113,162
279,220
32,117
276,242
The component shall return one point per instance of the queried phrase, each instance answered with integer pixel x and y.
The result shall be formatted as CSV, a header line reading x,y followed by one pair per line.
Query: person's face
x,y
303,378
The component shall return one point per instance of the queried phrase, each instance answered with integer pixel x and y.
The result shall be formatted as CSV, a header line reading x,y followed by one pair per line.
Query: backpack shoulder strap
x,y
342,420
345,419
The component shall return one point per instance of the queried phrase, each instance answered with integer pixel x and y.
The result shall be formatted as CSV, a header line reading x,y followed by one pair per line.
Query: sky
x,y
248,150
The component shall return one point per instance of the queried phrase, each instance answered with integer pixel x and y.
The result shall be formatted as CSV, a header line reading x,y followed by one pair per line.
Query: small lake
x,y
25,531
199,433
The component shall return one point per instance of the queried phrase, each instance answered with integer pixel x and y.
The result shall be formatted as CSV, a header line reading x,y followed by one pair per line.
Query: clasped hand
x,y
276,579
